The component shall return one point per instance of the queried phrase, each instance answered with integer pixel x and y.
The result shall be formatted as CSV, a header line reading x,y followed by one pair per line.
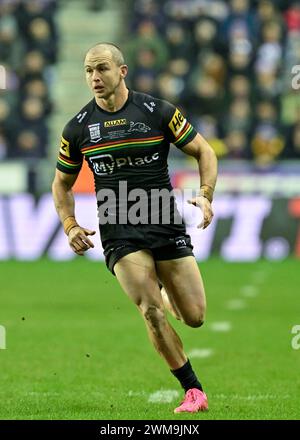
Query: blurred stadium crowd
x,y
28,50
226,64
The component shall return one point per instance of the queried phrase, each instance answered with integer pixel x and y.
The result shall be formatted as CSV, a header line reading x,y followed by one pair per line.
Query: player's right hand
x,y
204,204
79,241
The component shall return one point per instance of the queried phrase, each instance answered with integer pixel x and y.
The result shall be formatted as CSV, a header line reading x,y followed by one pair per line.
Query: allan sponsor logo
x,y
115,122
177,123
65,147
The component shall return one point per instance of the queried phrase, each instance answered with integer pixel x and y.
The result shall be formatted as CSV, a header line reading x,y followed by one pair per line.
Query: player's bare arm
x,y
65,207
208,168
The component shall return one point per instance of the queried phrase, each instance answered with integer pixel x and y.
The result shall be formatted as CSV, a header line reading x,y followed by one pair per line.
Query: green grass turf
x,y
77,347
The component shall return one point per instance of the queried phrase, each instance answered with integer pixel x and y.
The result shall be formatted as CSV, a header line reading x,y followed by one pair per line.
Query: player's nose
x,y
95,76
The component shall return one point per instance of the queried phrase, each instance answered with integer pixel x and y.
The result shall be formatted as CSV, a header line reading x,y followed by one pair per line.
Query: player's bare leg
x,y
137,276
183,282
186,298
169,303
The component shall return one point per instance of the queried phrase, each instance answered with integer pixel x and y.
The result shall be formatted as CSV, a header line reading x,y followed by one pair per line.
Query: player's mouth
x,y
98,88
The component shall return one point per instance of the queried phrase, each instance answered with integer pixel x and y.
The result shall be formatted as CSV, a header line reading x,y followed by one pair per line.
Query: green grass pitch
x,y
76,348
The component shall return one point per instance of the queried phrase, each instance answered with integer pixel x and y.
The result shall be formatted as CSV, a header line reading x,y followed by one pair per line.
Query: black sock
x,y
187,377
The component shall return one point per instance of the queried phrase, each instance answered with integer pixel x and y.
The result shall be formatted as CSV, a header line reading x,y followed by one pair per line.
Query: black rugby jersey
x,y
130,145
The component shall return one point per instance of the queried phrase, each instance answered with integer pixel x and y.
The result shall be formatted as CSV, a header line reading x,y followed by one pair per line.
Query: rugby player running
x,y
125,137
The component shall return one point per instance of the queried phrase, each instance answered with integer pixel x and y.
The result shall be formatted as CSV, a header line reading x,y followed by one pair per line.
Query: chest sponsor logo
x,y
177,123
115,122
64,147
105,164
138,126
95,135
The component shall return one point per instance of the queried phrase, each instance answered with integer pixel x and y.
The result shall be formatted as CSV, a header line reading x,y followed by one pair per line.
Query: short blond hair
x,y
115,51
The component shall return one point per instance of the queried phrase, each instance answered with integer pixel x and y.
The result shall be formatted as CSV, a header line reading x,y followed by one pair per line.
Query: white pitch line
x,y
236,304
136,393
163,396
259,277
220,326
249,291
250,396
41,394
200,353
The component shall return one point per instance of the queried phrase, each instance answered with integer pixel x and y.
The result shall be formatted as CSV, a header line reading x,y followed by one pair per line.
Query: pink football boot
x,y
194,401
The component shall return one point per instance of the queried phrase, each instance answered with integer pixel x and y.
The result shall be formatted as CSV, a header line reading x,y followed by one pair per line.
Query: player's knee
x,y
194,322
196,318
154,315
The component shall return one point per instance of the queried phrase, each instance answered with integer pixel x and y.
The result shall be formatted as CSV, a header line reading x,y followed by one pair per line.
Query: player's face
x,y
103,75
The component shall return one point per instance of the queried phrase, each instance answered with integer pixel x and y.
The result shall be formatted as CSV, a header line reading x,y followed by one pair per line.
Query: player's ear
x,y
124,70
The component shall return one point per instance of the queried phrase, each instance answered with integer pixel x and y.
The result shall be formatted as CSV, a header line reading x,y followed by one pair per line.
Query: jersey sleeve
x,y
70,157
176,127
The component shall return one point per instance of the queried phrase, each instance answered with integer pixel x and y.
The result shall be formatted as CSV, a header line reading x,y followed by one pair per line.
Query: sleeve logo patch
x,y
177,123
64,147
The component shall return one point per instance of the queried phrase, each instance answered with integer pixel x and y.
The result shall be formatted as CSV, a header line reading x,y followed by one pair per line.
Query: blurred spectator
x,y
236,143
240,23
239,87
144,82
32,134
205,35
292,17
239,116
6,129
294,142
147,49
293,139
10,45
268,85
206,97
33,66
179,40
239,63
41,39
37,88
170,87
267,142
208,127
269,53
229,63
31,9
148,10
266,11
3,146
29,144
28,48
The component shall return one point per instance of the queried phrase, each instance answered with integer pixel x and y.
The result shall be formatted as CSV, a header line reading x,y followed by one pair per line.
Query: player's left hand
x,y
204,204
79,241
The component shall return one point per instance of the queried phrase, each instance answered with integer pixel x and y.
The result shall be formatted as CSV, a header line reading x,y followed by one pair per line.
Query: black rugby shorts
x,y
164,244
